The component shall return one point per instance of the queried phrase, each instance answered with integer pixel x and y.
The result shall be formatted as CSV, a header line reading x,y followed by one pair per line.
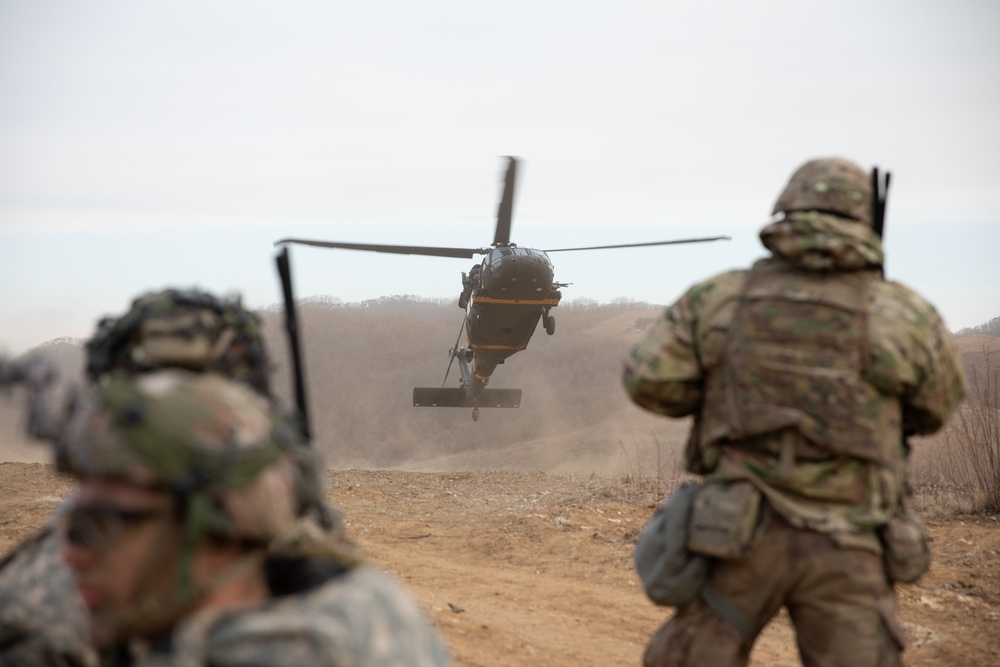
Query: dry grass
x,y
958,471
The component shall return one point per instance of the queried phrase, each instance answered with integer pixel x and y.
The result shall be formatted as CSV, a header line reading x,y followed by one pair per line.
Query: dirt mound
x,y
524,568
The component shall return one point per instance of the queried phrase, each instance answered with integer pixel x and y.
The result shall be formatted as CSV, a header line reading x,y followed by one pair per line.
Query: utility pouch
x,y
906,552
670,574
724,518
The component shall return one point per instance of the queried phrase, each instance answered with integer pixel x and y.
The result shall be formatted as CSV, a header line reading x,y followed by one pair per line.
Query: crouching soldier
x,y
42,621
188,548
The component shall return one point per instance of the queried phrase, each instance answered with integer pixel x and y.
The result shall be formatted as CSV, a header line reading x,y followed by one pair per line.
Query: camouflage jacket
x,y
360,618
845,466
43,622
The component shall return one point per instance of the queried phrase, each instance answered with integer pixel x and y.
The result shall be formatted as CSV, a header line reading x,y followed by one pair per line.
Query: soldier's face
x,y
123,545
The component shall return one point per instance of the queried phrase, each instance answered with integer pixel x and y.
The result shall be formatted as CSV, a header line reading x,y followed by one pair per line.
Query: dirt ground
x,y
525,568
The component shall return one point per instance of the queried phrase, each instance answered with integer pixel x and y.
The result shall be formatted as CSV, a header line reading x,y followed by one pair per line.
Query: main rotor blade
x,y
396,249
506,210
638,245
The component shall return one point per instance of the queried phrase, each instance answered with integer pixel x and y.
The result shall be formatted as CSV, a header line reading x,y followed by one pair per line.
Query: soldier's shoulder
x,y
719,287
42,619
362,616
895,303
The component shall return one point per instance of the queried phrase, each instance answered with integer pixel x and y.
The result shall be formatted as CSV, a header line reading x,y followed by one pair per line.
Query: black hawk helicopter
x,y
504,297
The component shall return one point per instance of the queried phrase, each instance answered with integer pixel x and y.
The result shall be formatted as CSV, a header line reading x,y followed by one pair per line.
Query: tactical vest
x,y
795,358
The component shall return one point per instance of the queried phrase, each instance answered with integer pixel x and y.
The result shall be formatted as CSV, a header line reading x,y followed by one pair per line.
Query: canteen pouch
x,y
671,575
906,552
724,517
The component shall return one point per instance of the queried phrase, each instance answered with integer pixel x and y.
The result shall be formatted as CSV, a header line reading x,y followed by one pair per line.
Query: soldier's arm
x,y
914,356
942,384
665,371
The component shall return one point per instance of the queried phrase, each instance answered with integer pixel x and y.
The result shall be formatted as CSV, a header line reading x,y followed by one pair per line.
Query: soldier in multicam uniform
x,y
802,374
42,620
188,545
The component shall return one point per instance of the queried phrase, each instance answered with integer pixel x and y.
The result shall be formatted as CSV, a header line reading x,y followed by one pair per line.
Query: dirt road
x,y
523,568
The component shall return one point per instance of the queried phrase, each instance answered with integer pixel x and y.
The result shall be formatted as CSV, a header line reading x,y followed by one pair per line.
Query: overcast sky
x,y
160,143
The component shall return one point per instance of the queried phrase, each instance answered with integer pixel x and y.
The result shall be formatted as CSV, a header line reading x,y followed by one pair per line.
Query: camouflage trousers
x,y
839,600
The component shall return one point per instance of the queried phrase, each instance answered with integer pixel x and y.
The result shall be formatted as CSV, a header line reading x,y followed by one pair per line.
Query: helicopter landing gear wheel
x,y
550,325
475,414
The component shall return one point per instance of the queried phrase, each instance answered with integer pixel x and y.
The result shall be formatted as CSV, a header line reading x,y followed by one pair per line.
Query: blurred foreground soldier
x,y
42,621
198,331
187,544
801,373
182,328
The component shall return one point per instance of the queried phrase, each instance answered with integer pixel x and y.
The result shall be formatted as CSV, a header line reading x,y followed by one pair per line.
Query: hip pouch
x,y
906,552
671,575
724,518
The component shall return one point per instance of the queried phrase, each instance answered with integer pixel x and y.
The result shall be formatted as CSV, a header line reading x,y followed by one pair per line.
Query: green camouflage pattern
x,y
362,617
843,476
821,242
794,358
43,622
198,331
182,328
210,438
829,185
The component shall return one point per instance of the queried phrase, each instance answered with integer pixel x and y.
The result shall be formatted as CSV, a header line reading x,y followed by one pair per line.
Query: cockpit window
x,y
497,254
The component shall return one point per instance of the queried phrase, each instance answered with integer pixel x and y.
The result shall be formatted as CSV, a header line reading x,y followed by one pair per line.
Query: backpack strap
x,y
726,610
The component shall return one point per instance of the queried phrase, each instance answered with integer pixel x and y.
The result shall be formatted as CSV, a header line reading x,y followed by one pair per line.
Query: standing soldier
x,y
803,373
43,623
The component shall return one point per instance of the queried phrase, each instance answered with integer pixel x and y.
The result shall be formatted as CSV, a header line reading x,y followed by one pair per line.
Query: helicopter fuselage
x,y
505,297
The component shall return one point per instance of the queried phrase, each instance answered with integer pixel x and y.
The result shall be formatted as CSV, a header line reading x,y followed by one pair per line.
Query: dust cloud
x,y
363,360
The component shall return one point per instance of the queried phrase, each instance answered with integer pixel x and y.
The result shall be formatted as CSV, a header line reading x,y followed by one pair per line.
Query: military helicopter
x,y
504,296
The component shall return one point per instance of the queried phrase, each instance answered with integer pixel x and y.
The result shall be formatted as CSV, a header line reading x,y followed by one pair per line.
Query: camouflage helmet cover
x,y
218,446
189,329
828,185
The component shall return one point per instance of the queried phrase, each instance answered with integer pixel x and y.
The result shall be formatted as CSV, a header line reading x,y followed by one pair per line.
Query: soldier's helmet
x,y
176,328
828,185
224,452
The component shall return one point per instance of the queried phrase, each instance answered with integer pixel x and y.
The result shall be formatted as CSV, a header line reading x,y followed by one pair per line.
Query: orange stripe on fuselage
x,y
516,302
496,347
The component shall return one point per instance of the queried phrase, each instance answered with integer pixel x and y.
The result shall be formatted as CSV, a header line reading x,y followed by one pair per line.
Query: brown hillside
x,y
981,359
364,359
362,362
976,344
362,365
